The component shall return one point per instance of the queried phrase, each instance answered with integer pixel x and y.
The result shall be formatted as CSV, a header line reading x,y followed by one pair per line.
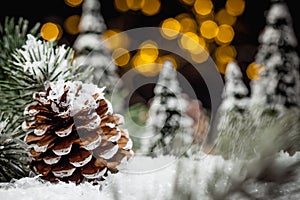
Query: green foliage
x,y
12,36
13,155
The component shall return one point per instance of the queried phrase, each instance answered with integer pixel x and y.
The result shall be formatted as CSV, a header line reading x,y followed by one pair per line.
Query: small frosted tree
x,y
90,49
234,122
168,125
275,95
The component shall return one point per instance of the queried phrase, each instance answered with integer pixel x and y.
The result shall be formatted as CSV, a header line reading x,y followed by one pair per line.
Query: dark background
x,y
247,27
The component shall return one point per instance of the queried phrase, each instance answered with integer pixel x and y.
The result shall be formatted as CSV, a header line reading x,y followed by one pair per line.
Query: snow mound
x,y
158,178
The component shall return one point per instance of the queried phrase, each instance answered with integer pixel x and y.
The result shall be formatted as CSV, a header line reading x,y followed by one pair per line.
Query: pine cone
x,y
73,134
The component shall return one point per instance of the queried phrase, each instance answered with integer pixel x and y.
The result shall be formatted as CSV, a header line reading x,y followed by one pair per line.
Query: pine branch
x,y
14,159
32,67
13,36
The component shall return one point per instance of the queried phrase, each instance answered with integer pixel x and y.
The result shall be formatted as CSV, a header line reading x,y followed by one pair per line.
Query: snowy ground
x,y
154,178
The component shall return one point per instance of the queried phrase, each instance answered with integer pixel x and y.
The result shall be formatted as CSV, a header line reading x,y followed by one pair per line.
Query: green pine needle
x,y
14,159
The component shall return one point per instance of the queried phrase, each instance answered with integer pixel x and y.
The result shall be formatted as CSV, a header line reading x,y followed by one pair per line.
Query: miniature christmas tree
x,y
275,95
13,156
73,133
234,121
91,50
169,127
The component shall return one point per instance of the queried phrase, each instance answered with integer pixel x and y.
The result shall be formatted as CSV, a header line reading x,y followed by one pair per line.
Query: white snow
x,y
110,153
278,11
82,163
37,57
150,178
61,152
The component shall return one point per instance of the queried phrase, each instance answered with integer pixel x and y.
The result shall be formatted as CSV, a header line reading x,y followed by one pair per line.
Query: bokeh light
x,y
134,4
51,31
225,34
114,38
223,17
71,24
121,56
253,70
121,5
170,28
73,3
235,7
225,54
189,41
203,7
188,2
199,56
144,67
188,24
161,60
209,29
151,7
148,51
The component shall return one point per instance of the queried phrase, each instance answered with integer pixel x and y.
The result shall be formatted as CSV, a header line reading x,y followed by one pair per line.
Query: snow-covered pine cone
x,y
73,134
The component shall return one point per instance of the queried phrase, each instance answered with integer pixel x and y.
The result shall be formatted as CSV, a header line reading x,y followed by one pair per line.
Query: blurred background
x,y
227,29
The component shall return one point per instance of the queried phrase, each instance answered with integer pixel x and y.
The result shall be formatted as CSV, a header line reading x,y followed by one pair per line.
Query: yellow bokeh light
x,y
111,38
148,51
144,67
114,39
121,56
221,67
121,5
170,28
71,24
202,18
225,54
235,7
209,29
253,70
189,41
188,2
73,3
203,7
222,17
151,7
225,34
188,25
162,59
135,4
200,47
200,57
51,31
